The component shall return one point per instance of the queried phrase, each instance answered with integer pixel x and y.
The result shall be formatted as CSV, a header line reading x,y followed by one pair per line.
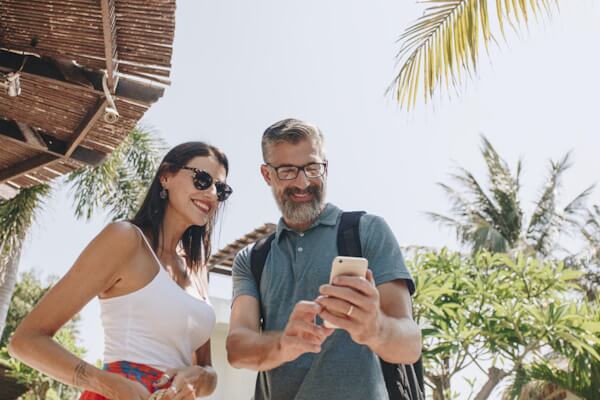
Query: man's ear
x,y
266,173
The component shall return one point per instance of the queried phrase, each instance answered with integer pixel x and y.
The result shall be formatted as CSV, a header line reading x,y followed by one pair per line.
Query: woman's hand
x,y
121,388
188,383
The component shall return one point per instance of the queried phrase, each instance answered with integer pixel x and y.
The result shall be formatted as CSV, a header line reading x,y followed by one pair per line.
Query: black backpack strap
x,y
348,236
258,257
403,382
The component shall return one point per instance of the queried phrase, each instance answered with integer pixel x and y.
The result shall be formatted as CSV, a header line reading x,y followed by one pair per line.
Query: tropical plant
x,y
28,291
119,183
590,259
446,41
493,219
16,217
496,312
569,367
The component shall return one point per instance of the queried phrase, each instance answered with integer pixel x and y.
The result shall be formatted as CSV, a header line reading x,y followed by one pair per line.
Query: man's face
x,y
301,199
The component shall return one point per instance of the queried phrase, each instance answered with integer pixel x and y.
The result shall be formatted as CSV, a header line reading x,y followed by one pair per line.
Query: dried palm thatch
x,y
77,61
222,261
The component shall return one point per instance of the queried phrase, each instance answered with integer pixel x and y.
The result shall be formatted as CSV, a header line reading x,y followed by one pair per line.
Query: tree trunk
x,y
495,375
9,266
441,386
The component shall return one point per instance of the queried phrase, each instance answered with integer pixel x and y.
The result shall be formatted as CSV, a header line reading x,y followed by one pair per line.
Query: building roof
x,y
222,261
76,61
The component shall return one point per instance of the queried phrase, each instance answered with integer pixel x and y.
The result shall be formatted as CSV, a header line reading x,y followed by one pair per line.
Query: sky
x,y
239,66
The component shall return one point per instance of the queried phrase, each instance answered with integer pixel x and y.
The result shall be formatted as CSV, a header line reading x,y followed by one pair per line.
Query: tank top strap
x,y
148,244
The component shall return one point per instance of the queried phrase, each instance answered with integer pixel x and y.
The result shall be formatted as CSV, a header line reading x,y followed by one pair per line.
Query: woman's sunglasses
x,y
202,181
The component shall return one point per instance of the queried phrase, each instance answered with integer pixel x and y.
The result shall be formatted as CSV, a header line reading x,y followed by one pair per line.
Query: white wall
x,y
233,384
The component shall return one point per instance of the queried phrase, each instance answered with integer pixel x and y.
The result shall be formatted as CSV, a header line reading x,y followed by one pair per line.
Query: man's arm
x,y
379,317
248,347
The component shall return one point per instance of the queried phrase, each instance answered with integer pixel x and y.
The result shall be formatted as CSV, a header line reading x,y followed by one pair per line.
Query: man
x,y
298,358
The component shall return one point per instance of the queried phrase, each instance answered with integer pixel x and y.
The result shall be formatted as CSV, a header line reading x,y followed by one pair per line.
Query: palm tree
x,y
116,186
493,219
119,183
16,216
446,41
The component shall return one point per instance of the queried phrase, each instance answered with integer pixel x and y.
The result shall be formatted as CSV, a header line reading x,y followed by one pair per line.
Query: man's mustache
x,y
312,189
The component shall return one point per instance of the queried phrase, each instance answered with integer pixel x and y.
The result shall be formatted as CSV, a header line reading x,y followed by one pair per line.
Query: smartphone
x,y
348,266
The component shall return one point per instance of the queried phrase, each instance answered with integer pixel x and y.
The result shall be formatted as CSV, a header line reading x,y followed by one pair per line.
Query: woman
x,y
150,276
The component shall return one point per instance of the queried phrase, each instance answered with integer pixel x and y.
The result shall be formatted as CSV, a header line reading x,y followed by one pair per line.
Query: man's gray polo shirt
x,y
296,266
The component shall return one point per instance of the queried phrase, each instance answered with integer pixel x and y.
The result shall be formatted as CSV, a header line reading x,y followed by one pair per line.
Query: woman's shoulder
x,y
122,236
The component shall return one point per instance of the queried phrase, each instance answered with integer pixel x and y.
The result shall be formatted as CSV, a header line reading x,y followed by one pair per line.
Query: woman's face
x,y
194,206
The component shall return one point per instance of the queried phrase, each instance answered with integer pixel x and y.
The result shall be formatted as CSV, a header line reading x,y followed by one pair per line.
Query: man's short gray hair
x,y
293,131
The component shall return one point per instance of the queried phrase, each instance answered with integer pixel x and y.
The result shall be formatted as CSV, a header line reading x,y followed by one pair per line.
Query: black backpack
x,y
403,382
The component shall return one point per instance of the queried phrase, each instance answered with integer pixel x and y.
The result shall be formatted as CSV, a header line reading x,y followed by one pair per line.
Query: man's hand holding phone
x,y
302,334
351,301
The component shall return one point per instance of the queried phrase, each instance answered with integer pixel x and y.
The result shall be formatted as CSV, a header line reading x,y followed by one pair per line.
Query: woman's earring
x,y
164,194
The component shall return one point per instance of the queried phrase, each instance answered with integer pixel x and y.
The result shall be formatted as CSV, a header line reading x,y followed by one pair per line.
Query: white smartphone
x,y
348,266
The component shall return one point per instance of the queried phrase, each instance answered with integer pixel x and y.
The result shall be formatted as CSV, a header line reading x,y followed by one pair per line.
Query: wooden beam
x,y
31,137
218,270
9,131
27,166
109,29
86,125
134,90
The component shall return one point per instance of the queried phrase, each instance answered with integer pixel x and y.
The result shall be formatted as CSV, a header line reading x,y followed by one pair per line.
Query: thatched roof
x,y
222,261
61,51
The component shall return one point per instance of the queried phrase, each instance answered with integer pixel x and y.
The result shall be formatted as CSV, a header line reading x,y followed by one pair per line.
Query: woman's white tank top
x,y
159,325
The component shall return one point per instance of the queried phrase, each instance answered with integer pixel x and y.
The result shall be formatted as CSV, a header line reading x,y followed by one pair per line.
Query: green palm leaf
x,y
491,217
447,39
17,215
547,216
121,181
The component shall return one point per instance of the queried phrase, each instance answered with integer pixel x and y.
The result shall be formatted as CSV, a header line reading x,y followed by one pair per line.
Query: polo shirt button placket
x,y
300,248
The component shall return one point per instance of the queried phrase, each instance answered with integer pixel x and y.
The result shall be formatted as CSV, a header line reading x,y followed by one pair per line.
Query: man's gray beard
x,y
302,213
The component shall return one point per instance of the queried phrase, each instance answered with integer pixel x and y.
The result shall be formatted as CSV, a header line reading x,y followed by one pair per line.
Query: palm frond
x,y
544,219
446,40
118,184
572,212
18,213
16,217
505,189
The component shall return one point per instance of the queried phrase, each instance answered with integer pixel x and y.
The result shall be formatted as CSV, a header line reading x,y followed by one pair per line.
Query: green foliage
x,y
493,308
17,215
571,365
446,41
119,184
492,218
28,291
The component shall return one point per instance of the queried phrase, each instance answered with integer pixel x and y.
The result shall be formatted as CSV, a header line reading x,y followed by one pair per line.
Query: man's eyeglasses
x,y
202,181
289,172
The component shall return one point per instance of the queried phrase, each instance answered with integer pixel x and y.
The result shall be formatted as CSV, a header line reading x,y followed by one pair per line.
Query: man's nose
x,y
301,180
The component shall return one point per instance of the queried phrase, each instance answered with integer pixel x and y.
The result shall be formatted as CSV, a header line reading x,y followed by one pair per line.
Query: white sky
x,y
239,66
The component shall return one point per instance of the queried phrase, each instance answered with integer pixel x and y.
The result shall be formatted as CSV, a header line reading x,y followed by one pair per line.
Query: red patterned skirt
x,y
136,372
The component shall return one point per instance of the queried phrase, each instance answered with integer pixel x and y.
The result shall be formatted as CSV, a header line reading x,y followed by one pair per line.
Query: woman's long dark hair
x,y
151,214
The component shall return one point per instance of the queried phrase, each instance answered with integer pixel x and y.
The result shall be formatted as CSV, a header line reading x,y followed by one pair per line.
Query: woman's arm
x,y
96,270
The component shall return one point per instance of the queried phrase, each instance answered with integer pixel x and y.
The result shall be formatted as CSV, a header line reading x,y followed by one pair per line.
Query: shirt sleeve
x,y
242,278
380,247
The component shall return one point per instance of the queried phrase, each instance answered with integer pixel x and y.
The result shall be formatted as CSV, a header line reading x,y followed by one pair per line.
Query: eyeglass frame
x,y
298,169
228,189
